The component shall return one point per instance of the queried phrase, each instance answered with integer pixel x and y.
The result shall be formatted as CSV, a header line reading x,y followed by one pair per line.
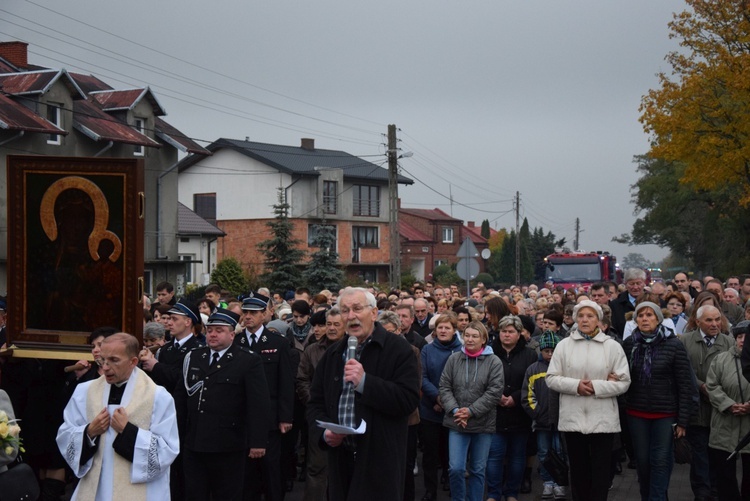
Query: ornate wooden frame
x,y
75,249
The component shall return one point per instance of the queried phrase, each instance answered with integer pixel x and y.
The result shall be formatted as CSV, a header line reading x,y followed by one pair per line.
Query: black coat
x,y
620,306
390,394
671,388
169,369
515,364
274,350
422,330
231,411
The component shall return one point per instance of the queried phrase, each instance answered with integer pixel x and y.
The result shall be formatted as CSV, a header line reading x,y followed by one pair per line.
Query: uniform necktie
x,y
253,341
215,359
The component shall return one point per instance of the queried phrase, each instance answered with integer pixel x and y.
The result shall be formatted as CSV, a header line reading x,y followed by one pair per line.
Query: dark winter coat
x,y
390,394
434,357
540,403
515,364
671,386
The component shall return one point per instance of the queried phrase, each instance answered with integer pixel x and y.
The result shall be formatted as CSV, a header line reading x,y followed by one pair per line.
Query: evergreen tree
x,y
282,257
485,231
323,271
228,275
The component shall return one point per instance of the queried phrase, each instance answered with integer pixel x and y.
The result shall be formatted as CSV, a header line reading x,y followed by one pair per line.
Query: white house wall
x,y
244,187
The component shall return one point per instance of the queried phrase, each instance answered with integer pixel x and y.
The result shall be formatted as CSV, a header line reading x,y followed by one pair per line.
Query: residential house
x,y
430,238
237,187
51,111
197,245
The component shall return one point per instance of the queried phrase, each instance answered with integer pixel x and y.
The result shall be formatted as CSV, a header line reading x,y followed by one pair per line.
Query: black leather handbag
x,y
19,484
556,467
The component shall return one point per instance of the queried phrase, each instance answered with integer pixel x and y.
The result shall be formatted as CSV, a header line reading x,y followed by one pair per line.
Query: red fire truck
x,y
581,269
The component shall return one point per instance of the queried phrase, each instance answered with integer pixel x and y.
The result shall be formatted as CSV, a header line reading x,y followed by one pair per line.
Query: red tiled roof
x,y
116,100
35,82
171,135
14,116
474,233
411,234
430,214
100,126
89,83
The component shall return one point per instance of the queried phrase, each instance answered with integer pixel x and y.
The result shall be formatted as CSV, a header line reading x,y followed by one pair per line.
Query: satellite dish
x,y
486,253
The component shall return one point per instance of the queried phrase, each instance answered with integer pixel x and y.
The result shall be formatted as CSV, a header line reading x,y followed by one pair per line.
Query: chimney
x,y
308,144
16,53
470,224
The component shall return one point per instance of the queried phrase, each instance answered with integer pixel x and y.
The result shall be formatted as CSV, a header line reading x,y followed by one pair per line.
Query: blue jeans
x,y
546,440
477,445
513,446
654,455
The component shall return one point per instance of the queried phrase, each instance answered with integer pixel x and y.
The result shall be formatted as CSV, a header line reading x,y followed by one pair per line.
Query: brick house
x,y
47,111
236,188
430,238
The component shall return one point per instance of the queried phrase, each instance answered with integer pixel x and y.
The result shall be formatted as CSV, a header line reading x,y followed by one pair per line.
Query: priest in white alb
x,y
120,431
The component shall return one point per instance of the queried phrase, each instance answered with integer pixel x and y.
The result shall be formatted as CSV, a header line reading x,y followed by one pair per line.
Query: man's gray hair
x,y
634,274
705,309
333,312
153,330
369,297
732,291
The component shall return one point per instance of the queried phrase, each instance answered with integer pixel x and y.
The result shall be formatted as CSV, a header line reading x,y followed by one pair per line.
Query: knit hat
x,y
528,323
587,303
653,306
742,327
548,340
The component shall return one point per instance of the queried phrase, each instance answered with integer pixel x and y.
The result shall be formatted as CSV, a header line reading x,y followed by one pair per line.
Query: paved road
x,y
625,487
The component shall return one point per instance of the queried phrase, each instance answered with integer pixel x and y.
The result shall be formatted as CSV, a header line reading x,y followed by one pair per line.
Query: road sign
x,y
467,249
467,268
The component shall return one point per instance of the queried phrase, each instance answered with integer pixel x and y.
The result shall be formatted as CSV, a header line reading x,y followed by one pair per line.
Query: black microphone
x,y
351,350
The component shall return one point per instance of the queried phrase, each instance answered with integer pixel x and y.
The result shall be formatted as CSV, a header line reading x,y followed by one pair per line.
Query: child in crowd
x,y
542,405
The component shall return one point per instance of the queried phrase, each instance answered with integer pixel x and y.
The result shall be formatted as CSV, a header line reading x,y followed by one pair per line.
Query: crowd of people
x,y
239,398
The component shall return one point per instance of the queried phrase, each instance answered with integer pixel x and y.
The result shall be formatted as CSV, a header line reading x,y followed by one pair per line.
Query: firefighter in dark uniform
x,y
264,475
223,411
165,368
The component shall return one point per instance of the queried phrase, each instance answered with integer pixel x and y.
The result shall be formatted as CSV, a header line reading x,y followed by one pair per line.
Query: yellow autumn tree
x,y
700,114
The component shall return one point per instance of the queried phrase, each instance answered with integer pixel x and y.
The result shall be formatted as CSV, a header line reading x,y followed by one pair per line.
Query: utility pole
x,y
518,239
395,263
578,234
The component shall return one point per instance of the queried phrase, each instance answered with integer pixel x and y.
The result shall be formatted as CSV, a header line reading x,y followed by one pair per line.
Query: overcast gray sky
x,y
492,97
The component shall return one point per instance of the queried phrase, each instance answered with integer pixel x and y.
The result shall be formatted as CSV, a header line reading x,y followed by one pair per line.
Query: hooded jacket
x,y
539,402
434,356
476,383
578,358
515,364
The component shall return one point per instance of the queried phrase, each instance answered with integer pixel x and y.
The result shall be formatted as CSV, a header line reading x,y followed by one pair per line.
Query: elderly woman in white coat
x,y
589,370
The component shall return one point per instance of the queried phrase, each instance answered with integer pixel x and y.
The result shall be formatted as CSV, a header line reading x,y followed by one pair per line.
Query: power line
x,y
190,63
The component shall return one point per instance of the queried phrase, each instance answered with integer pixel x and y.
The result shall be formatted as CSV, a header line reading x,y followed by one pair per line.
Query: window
x,y
314,229
369,276
440,262
204,204
54,117
366,200
447,235
365,237
139,124
148,282
188,266
330,197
